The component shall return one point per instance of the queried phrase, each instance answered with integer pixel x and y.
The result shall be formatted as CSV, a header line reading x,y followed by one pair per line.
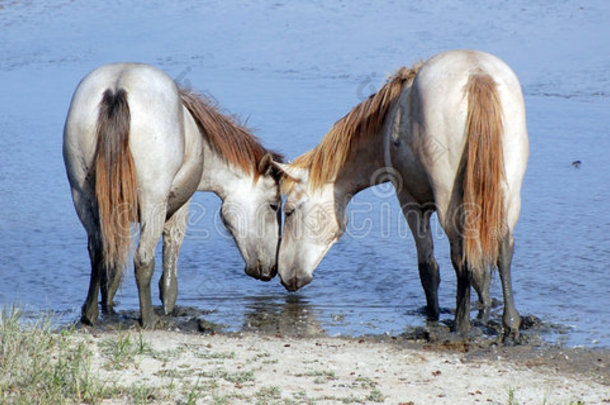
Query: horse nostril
x,y
295,283
289,285
268,273
253,272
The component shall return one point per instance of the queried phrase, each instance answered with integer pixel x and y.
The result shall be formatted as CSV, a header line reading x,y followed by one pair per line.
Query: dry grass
x,y
38,365
44,367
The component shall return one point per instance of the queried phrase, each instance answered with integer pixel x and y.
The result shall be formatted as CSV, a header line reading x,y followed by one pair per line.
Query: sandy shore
x,y
252,368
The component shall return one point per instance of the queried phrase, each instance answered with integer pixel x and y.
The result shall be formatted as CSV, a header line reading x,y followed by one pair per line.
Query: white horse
x,y
451,135
136,147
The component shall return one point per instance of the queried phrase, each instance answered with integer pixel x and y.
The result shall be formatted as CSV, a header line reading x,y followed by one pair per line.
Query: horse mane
x,y
364,120
227,137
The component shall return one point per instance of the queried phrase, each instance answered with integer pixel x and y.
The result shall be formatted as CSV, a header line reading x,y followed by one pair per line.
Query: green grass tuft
x,y
122,352
375,396
44,367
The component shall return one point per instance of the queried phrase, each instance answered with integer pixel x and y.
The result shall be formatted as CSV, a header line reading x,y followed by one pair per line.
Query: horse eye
x,y
288,212
274,207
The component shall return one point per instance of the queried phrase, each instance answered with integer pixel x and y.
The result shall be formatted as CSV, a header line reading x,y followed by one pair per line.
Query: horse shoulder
x,y
406,151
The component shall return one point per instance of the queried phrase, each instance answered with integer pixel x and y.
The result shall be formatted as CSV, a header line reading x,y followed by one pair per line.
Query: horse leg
x,y
152,222
481,281
109,287
173,236
84,203
90,308
419,222
462,311
510,318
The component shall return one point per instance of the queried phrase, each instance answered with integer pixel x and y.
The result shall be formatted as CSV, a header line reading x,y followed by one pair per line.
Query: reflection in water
x,y
295,317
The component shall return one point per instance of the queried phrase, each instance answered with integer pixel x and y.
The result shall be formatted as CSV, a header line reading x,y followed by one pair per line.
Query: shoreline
x,y
116,363
249,368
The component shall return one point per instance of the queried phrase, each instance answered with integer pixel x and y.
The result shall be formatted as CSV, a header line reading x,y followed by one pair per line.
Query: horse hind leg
x,y
463,273
173,236
111,280
153,218
90,309
83,202
481,281
510,317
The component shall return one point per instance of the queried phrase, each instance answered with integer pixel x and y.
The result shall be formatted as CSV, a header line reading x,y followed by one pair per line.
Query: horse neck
x,y
364,168
219,176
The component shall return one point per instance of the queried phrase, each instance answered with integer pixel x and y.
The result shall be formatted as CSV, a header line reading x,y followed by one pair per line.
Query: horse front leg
x,y
90,310
419,222
173,236
462,310
510,317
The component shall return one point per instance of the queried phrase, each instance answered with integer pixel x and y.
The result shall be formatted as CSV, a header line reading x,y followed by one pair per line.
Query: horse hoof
x,y
462,326
511,340
87,320
89,316
511,324
432,314
108,310
483,315
511,337
148,322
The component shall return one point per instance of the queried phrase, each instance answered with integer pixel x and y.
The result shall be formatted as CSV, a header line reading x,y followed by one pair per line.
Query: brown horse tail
x,y
115,182
484,217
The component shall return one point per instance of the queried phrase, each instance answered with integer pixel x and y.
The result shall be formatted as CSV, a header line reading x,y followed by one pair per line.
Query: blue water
x,y
291,69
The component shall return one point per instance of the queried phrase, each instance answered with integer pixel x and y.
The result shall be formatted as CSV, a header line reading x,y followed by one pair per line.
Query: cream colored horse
x,y
136,148
451,135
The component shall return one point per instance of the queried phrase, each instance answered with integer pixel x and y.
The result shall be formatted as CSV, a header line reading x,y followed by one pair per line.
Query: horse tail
x,y
115,182
484,216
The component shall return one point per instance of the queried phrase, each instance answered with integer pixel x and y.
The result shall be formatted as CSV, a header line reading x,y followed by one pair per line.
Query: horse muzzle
x,y
294,283
260,272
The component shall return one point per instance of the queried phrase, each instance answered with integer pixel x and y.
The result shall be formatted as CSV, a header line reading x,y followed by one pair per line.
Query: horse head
x,y
313,223
251,213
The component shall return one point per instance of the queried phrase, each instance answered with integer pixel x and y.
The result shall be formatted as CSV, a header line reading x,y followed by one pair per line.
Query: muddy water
x,y
292,70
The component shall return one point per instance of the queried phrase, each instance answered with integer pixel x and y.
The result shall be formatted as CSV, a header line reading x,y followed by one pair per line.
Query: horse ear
x,y
296,174
265,164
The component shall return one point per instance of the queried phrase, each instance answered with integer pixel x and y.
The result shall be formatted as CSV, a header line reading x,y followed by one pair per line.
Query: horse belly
x,y
184,185
412,176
